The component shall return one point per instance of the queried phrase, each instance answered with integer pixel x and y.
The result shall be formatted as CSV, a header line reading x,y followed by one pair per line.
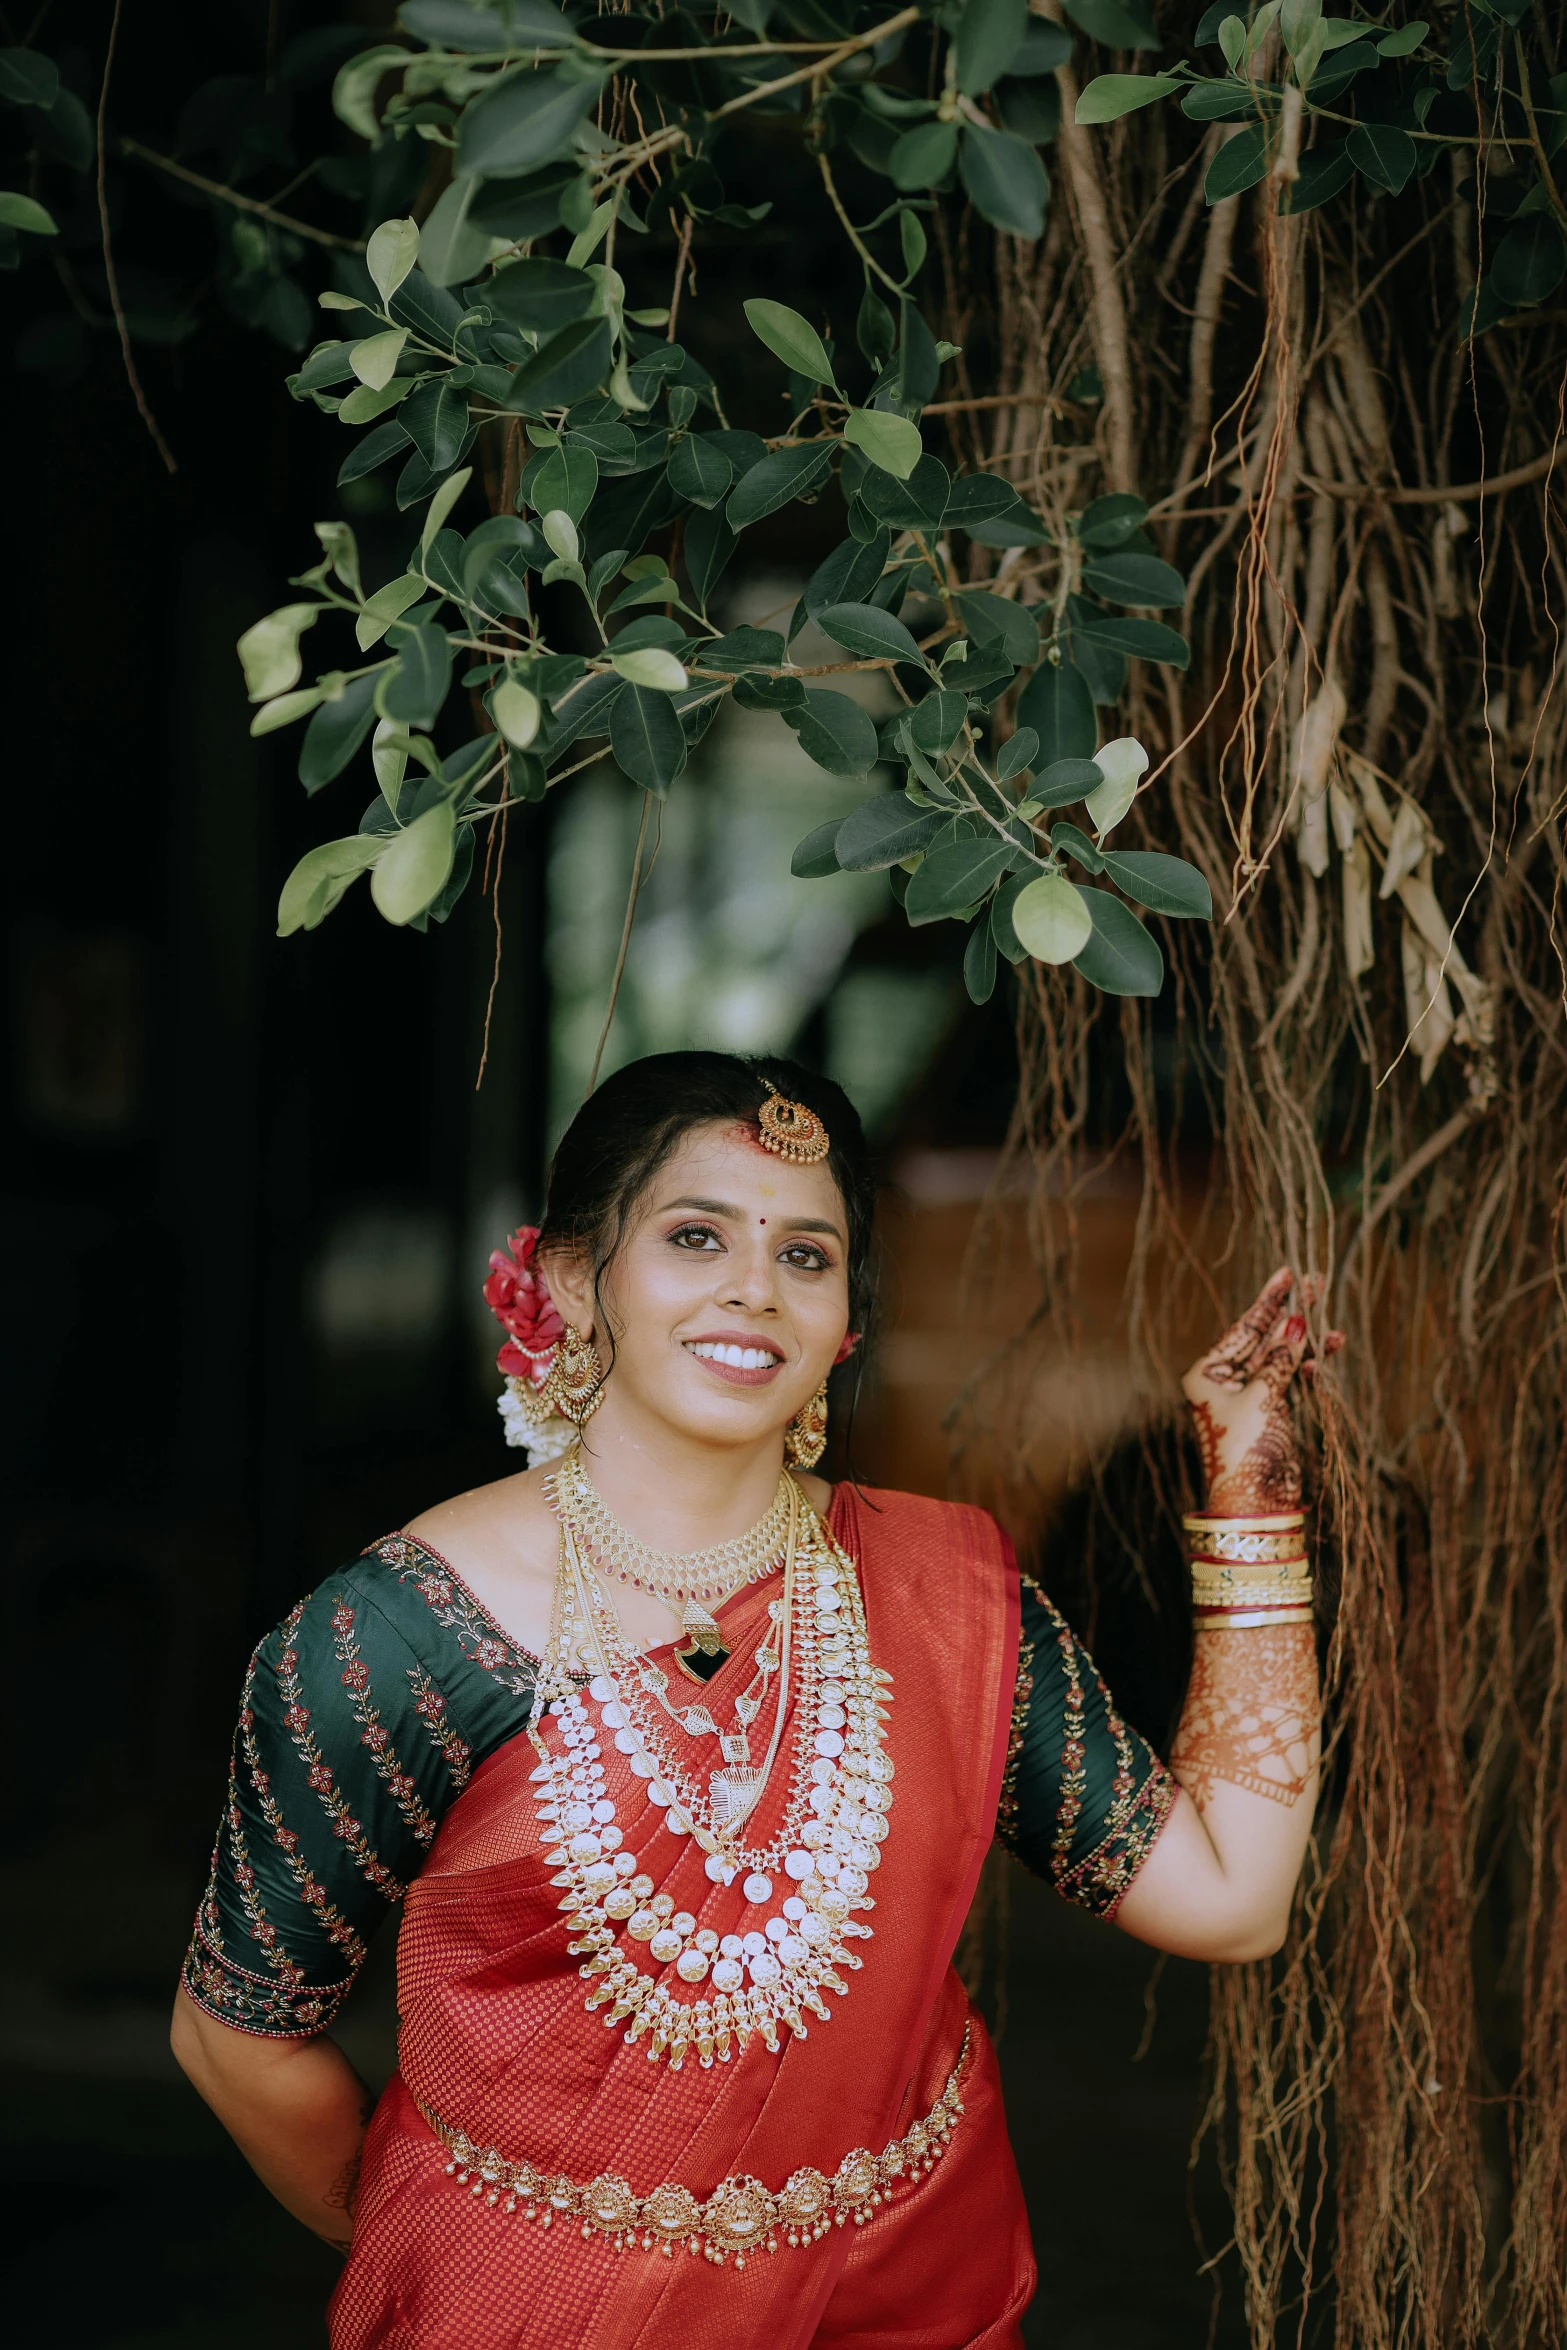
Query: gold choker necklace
x,y
672,1576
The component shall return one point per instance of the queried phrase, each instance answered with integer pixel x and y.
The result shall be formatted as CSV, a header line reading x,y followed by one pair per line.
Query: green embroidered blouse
x,y
365,1713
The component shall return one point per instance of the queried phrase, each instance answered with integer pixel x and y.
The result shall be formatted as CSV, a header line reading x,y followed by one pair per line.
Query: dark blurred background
x,y
249,1191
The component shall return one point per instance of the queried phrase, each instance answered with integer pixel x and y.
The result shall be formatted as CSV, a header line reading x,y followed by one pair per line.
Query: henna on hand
x,y
1251,1715
1239,1394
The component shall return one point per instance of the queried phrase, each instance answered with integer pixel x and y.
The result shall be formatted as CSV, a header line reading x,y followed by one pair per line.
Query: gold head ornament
x,y
790,1131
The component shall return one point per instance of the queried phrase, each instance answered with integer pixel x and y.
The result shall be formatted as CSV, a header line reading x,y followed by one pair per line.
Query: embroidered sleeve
x,y
345,1758
1083,1796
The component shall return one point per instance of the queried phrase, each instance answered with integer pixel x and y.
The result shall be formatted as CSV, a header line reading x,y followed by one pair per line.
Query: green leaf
x,y
912,243
1045,47
390,255
1146,640
883,830
916,504
1126,577
950,880
1057,704
646,738
875,328
372,451
652,666
1111,95
1405,41
387,604
1109,521
1068,841
1529,261
287,707
743,648
1166,885
540,294
516,712
889,441
353,92
1007,941
780,477
699,472
586,708
322,877
709,547
365,402
791,338
870,632
996,620
28,78
1018,754
783,694
561,480
1323,173
468,24
1051,922
452,244
935,723
1062,783
1114,24
374,358
979,962
990,33
1006,181
1121,957
25,212
441,505
835,732
269,650
816,856
1382,154
1240,163
848,574
571,364
978,497
1122,763
522,121
435,419
337,730
924,156
414,866
416,688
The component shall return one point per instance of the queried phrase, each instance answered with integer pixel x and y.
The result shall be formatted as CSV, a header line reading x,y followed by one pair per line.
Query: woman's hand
x,y
1239,1398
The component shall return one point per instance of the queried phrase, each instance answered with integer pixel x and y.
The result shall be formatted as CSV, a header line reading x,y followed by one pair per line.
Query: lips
x,y
739,1362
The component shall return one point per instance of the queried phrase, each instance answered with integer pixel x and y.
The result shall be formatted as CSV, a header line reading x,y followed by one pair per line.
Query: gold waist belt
x,y
739,2217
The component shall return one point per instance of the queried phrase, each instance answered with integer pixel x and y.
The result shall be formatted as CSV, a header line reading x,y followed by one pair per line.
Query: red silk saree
x,y
497,2044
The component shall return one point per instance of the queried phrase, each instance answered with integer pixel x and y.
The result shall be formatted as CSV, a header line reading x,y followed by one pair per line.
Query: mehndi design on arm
x,y
1251,1714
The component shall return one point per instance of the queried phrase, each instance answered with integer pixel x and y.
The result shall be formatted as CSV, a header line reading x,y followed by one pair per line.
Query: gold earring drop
x,y
805,1438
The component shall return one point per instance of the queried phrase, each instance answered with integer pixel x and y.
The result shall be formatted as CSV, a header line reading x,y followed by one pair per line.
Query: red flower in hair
x,y
518,1296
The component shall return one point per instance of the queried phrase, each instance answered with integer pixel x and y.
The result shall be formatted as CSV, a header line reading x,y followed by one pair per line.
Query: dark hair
x,y
629,1128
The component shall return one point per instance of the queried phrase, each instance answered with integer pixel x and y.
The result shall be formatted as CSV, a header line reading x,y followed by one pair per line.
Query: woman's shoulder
x,y
885,1513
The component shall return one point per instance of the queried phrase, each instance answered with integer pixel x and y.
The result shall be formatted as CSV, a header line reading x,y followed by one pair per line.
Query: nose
x,y
750,1277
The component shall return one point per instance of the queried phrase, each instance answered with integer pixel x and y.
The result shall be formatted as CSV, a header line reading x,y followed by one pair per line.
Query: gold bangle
x,y
1250,1541
1296,1593
1227,1619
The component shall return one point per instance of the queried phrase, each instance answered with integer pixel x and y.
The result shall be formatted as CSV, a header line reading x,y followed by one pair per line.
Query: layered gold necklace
x,y
780,1954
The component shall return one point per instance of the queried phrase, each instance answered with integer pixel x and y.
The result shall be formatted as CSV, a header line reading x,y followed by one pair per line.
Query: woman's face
x,y
729,1297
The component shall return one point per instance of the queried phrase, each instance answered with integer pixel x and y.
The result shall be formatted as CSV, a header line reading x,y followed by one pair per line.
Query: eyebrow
x,y
722,1207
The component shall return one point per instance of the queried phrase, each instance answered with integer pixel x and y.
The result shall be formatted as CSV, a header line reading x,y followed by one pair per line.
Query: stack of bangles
x,y
1248,1571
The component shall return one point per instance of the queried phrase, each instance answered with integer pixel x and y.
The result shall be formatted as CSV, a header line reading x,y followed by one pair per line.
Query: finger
x,y
1280,1357
1244,1336
1331,1343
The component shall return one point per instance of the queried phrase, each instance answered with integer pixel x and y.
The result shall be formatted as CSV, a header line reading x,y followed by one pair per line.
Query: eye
x,y
695,1237
805,1256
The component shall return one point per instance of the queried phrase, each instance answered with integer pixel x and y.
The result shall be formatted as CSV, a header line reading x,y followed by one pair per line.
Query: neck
x,y
672,1490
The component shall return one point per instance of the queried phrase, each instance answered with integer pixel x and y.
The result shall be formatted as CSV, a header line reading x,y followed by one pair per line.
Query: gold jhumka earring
x,y
805,1438
573,1387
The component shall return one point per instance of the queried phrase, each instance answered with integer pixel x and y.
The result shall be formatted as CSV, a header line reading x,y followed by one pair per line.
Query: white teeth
x,y
739,1358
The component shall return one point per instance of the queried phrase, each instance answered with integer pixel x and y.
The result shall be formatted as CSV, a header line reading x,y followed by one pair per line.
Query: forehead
x,y
726,1162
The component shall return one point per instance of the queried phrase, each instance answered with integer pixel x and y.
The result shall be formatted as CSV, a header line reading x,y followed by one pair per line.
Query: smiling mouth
x,y
733,1358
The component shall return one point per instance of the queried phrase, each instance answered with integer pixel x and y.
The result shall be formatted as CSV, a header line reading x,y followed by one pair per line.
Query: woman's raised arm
x,y
1219,1882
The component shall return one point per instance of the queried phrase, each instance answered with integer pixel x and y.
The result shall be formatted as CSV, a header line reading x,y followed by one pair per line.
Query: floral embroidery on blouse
x,y
373,1733
430,1706
1111,1794
456,1610
319,1770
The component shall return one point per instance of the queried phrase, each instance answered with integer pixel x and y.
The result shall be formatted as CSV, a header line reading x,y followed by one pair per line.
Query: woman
x,y
686,1764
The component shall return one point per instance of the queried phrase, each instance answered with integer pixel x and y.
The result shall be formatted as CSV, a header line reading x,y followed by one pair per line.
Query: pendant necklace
x,y
777,1960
